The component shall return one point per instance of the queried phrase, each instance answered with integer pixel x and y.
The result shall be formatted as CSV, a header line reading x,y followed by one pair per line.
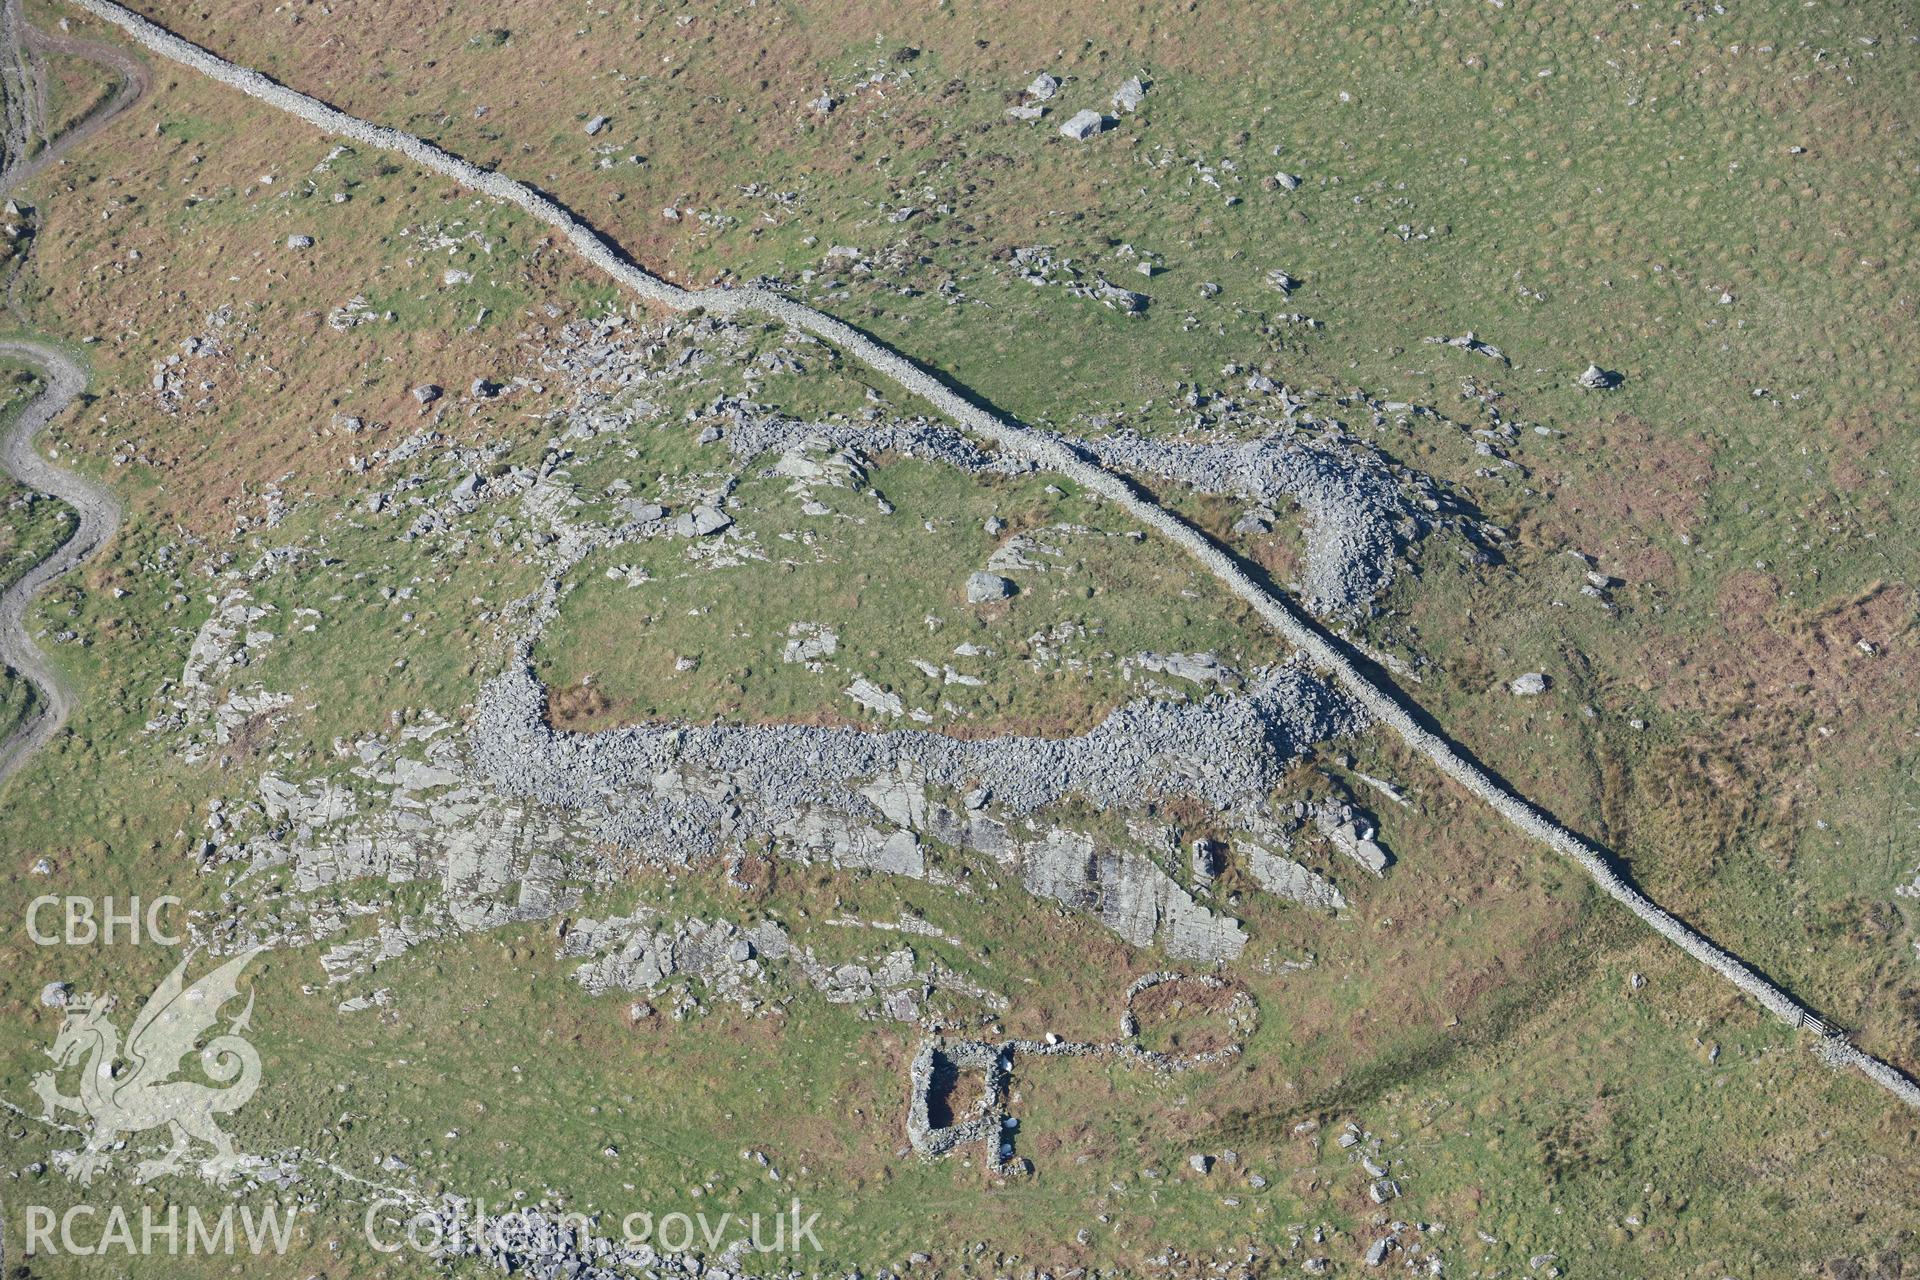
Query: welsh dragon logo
x,y
130,1089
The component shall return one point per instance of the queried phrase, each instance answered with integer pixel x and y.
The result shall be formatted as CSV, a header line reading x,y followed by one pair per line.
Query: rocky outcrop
x,y
1285,878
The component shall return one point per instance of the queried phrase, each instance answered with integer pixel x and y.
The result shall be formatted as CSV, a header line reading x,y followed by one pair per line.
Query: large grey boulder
x,y
1254,522
985,588
1123,299
1285,878
1528,685
1129,95
1043,87
1083,125
701,521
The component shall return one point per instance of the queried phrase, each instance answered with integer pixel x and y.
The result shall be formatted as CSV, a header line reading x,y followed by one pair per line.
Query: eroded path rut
x,y
1372,691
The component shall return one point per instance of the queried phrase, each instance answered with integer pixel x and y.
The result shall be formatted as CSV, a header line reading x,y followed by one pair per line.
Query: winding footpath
x,y
1326,653
98,513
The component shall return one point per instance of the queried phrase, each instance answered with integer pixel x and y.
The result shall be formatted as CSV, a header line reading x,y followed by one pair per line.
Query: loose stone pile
x,y
1361,510
1359,514
866,800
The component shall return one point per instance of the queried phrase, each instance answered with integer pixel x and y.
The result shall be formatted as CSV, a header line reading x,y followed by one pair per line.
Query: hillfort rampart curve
x,y
1053,455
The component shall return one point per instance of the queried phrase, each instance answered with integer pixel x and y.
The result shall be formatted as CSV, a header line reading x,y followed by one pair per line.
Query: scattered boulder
x,y
1083,125
1200,1162
809,642
1044,86
1201,668
299,242
985,588
1286,878
1528,685
872,697
1130,94
596,124
1254,522
1123,299
1598,379
1288,181
1470,341
484,389
54,994
822,105
701,522
1351,831
426,393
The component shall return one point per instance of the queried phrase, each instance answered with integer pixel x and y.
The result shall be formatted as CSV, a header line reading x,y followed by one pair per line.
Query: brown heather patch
x,y
1858,436
278,388
577,707
74,88
1763,654
1630,486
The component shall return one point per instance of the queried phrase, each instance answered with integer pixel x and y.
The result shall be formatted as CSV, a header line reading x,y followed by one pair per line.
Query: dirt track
x,y
99,513
24,42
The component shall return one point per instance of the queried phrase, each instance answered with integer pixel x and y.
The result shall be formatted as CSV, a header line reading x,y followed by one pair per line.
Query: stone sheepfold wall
x,y
989,1124
1050,454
